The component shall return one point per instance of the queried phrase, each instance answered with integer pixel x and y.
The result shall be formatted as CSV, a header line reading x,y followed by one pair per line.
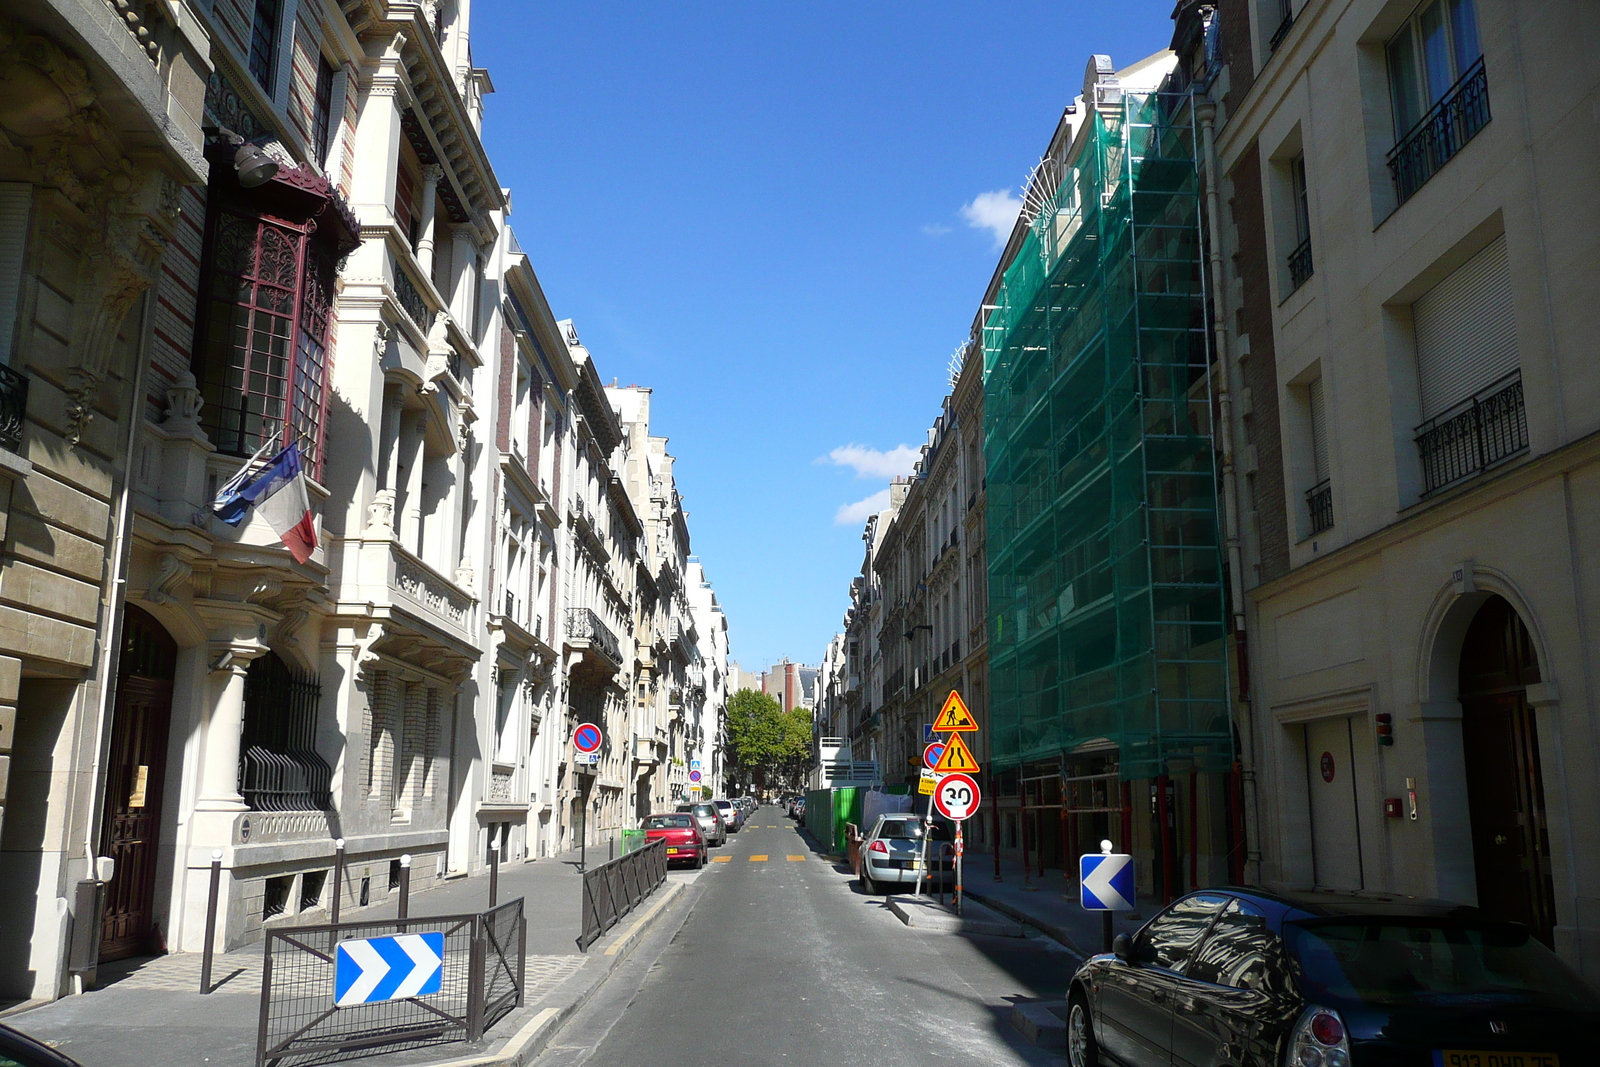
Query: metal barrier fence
x,y
481,979
613,889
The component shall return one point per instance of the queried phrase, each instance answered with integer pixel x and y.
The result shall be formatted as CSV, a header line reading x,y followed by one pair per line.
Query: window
x,y
1468,370
1300,258
1437,45
322,116
1172,935
1235,953
279,767
1438,91
1319,498
262,360
264,42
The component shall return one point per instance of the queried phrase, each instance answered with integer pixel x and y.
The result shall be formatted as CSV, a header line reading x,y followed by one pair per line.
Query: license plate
x,y
1454,1057
672,852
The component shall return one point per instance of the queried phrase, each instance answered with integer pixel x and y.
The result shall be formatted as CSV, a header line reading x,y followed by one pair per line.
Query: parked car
x,y
892,852
712,827
798,811
23,1051
685,842
1324,979
730,815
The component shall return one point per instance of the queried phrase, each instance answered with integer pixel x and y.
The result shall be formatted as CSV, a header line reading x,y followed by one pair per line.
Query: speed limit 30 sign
x,y
957,797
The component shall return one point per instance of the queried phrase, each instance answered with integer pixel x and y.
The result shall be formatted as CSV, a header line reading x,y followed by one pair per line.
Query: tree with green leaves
x,y
761,736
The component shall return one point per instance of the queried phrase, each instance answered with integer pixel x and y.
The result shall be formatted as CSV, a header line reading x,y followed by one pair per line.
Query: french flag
x,y
278,493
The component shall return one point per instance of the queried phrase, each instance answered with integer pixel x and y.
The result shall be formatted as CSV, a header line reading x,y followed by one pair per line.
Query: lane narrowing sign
x,y
957,797
1105,881
374,969
956,757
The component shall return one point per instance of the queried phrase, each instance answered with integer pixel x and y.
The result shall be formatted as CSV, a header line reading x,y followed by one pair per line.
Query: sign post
x,y
1105,884
957,797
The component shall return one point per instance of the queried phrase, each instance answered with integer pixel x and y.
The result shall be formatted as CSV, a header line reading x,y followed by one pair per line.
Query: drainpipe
x,y
113,594
1206,112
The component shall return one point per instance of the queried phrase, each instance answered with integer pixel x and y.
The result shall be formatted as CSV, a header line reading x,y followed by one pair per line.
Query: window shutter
x,y
1319,435
15,199
1465,331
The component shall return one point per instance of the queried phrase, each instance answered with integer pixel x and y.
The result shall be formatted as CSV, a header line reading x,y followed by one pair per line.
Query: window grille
x,y
280,768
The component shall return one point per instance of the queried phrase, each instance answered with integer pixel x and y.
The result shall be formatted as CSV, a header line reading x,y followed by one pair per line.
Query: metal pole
x,y
1022,816
494,875
338,881
211,921
1105,931
405,886
922,861
583,837
961,847
995,788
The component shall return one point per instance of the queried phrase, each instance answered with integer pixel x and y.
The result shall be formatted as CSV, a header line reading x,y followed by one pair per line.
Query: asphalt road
x,y
783,960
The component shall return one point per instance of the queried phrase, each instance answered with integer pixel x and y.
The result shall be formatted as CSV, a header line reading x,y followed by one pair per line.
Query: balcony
x,y
1473,436
13,408
644,749
1319,504
1435,140
586,633
1300,265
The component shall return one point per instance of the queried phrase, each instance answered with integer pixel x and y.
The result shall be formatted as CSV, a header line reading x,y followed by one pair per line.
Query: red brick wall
x,y
1253,260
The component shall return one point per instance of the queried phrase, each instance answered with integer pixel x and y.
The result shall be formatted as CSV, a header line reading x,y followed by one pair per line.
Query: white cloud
x,y
861,510
934,229
995,211
871,463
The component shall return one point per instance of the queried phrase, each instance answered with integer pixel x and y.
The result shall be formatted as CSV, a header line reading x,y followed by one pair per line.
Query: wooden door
x,y
1505,790
134,775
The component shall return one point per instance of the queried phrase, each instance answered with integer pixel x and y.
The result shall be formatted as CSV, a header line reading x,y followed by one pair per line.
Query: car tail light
x,y
1319,1040
879,847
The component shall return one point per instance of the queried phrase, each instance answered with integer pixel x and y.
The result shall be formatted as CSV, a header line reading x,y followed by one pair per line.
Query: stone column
x,y
219,769
432,175
411,499
380,513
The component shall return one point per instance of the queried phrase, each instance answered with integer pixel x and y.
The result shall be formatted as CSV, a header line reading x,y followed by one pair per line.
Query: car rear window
x,y
707,810
1384,961
667,822
911,830
723,804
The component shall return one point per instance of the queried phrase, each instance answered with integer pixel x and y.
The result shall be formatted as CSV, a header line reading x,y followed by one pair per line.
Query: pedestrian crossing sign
x,y
954,717
957,758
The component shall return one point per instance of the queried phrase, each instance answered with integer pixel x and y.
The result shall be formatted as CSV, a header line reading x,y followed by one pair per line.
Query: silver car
x,y
731,814
891,853
712,828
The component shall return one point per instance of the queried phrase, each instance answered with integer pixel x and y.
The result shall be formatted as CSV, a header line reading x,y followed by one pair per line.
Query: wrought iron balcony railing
x,y
584,625
1300,264
13,407
1474,435
1319,502
1434,141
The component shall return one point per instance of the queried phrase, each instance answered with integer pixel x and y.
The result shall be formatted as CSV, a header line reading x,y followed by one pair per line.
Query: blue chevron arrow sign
x,y
374,969
1105,882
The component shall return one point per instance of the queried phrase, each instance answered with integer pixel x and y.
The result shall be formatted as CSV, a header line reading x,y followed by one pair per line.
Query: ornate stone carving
x,y
466,577
183,406
172,576
296,610
380,515
426,589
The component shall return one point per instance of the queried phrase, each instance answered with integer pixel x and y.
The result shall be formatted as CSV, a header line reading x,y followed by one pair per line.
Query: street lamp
x,y
919,626
252,163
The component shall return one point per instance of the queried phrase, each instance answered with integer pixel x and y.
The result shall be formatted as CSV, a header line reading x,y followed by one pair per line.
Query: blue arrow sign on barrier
x,y
1105,881
374,969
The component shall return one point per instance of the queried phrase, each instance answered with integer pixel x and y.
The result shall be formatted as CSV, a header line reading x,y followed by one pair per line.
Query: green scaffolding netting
x,y
1107,617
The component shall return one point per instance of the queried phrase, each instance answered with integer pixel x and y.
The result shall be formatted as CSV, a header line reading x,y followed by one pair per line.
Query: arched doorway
x,y
1505,791
134,774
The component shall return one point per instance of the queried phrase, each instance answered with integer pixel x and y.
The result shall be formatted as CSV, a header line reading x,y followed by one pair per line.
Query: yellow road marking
x,y
720,859
758,859
796,859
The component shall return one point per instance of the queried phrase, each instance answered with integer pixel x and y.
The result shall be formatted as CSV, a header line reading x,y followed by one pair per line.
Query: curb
x,y
524,1046
1049,929
1036,1021
936,918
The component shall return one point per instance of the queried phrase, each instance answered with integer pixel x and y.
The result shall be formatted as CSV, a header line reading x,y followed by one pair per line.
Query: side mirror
x,y
1122,947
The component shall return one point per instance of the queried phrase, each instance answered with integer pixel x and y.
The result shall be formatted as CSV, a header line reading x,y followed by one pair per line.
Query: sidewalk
x,y
150,1010
1050,905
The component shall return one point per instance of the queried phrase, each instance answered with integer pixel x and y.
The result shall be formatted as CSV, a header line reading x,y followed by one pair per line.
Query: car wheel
x,y
1082,1051
868,886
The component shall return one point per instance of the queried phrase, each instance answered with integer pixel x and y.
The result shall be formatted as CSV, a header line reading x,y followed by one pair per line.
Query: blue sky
x,y
775,216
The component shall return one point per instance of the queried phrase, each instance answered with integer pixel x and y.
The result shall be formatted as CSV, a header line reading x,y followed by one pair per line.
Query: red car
x,y
684,841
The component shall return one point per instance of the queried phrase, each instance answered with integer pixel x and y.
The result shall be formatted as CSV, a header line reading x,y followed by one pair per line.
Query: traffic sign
x,y
957,797
694,765
927,732
587,738
931,754
586,757
954,716
373,969
926,783
1105,881
956,757
694,776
